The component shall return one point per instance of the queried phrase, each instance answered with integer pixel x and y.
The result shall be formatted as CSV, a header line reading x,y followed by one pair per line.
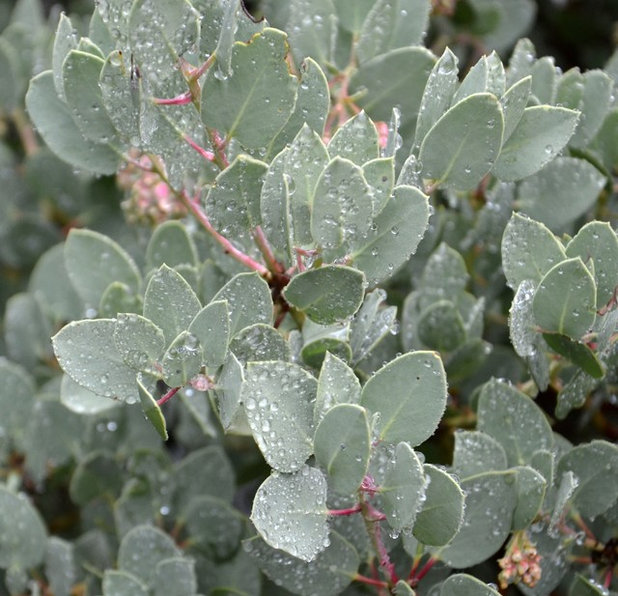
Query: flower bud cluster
x,y
521,562
150,200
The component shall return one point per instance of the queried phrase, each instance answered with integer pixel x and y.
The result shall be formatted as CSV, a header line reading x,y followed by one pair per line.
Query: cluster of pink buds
x,y
150,200
521,562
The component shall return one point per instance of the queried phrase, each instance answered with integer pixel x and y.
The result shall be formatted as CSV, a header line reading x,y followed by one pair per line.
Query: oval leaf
x,y
289,511
463,144
327,294
410,395
278,399
342,442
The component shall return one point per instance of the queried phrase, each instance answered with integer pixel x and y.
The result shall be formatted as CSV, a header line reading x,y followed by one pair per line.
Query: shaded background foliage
x,y
46,198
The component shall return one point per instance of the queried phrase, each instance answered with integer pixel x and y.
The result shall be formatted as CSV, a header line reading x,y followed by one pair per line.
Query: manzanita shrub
x,y
357,289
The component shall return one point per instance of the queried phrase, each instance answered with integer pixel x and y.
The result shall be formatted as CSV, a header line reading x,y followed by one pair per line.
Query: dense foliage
x,y
330,311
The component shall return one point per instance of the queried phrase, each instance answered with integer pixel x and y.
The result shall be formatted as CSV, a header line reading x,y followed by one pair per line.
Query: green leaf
x,y
232,203
356,140
544,80
253,113
170,244
352,14
540,135
93,261
80,400
211,326
289,186
159,33
396,78
403,589
249,301
337,384
318,340
475,81
60,567
175,577
119,298
513,104
584,587
342,205
529,251
342,442
259,342
54,123
99,33
311,107
597,241
311,28
577,352
403,488
565,301
121,583
388,241
514,420
278,398
170,303
205,471
531,486
26,330
440,517
229,384
574,393
289,511
371,324
65,40
521,61
490,500
441,85
392,24
562,191
97,475
140,342
80,72
151,410
380,175
410,395
49,280
565,489
461,584
476,452
596,485
22,533
182,360
142,549
463,144
87,352
214,527
328,294
122,96
595,103
440,327
328,574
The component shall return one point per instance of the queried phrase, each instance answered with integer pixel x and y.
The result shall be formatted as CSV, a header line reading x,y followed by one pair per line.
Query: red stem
x,y
426,568
370,581
207,155
348,511
173,391
608,578
194,206
179,100
198,72
266,250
